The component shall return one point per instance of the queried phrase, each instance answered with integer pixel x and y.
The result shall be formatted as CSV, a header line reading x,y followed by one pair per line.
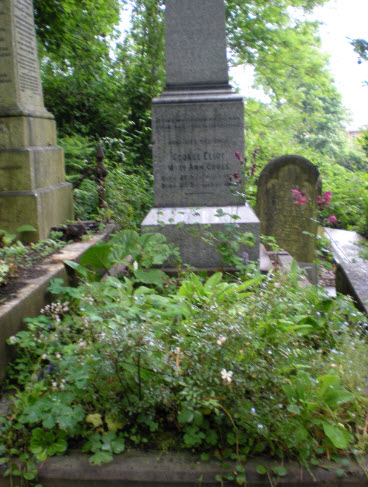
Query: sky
x,y
342,19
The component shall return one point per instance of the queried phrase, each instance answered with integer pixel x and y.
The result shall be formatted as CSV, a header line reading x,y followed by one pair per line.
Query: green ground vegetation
x,y
226,366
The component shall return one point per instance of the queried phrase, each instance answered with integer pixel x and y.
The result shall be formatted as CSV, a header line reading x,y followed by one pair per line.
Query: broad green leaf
x,y
26,228
186,416
279,470
251,282
118,445
337,397
101,457
338,436
328,381
153,276
81,270
98,257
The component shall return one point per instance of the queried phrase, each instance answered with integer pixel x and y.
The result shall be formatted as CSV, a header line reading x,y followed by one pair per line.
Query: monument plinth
x,y
197,126
32,177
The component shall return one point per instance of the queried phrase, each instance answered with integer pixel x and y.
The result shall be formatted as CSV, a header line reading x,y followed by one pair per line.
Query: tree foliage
x,y
100,86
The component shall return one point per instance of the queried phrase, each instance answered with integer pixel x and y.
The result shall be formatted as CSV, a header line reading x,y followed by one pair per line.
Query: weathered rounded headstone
x,y
293,226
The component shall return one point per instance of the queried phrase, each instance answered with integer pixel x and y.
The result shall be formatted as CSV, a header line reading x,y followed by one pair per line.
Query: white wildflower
x,y
227,376
44,356
12,340
135,265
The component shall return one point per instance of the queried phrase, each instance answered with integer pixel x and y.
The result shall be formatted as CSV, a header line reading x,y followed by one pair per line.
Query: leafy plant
x,y
147,250
232,368
7,239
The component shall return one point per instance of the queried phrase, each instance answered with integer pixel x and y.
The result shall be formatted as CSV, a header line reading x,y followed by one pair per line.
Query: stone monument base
x,y
43,208
33,190
189,229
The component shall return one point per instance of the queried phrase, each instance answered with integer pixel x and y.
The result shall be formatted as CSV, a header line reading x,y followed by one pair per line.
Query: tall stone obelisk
x,y
197,126
32,176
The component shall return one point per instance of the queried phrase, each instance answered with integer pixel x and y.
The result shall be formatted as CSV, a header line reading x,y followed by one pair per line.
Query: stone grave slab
x,y
294,227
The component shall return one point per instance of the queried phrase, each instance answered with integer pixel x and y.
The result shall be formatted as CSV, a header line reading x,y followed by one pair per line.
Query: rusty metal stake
x,y
100,174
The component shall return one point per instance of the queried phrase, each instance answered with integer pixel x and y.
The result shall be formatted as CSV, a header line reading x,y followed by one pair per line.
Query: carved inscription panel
x,y
19,65
194,153
6,75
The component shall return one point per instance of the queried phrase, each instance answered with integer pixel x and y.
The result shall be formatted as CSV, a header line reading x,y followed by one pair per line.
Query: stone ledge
x,y
33,296
162,469
352,270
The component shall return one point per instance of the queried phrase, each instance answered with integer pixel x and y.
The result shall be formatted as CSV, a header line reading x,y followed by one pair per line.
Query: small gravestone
x,y
33,190
293,226
197,126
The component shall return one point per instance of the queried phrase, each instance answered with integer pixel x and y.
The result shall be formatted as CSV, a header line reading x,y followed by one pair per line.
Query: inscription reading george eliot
x,y
198,162
4,46
27,57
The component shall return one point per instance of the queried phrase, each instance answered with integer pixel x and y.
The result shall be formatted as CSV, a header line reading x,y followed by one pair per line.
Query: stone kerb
x,y
294,227
33,296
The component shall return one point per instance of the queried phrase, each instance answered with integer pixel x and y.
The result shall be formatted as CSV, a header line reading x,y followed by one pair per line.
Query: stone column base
x,y
42,208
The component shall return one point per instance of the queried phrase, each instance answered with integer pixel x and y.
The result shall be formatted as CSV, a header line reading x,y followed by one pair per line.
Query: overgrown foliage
x,y
101,89
233,369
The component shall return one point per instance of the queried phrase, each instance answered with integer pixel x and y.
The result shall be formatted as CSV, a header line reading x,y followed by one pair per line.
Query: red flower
x,y
327,195
301,201
332,219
